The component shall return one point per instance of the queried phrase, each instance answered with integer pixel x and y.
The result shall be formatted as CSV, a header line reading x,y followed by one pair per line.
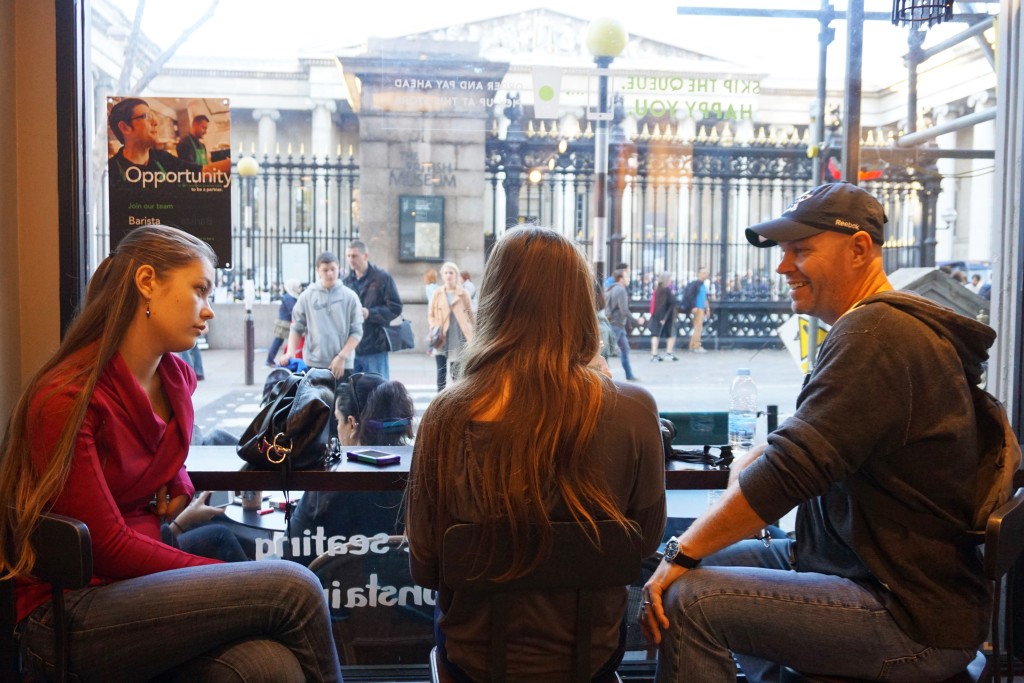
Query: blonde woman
x,y
450,309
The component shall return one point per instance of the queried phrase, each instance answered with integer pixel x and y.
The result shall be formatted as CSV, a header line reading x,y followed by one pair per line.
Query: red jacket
x,y
124,453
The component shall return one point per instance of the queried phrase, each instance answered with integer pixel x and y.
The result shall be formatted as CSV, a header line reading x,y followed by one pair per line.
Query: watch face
x,y
671,549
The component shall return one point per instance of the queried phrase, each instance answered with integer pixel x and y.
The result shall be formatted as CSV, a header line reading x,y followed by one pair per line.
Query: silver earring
x,y
147,309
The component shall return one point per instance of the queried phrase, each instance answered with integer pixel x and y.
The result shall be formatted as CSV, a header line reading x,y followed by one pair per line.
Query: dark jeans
x,y
442,370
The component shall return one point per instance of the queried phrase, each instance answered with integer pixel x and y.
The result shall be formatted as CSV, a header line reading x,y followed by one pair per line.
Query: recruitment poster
x,y
170,163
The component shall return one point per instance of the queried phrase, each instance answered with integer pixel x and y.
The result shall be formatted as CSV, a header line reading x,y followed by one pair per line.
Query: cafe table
x,y
218,468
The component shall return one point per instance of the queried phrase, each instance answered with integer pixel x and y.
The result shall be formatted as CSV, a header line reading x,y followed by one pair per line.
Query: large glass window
x,y
651,134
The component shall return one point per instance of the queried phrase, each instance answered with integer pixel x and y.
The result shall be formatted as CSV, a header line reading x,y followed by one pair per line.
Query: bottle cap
x,y
742,371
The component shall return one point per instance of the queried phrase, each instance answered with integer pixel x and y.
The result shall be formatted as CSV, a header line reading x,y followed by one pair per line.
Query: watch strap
x,y
685,561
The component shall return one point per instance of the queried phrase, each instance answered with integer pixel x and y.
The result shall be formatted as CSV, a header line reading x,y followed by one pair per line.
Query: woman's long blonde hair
x,y
536,332
91,341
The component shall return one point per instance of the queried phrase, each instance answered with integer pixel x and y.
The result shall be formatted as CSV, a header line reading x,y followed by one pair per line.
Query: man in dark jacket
x,y
881,458
381,304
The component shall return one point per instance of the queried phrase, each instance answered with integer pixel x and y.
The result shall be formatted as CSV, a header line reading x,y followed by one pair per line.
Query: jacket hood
x,y
970,338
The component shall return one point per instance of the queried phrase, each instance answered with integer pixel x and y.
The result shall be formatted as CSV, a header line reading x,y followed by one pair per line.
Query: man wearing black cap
x,y
881,458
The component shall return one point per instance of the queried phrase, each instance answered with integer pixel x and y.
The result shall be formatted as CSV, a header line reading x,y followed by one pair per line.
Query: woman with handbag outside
x,y
451,312
663,315
101,435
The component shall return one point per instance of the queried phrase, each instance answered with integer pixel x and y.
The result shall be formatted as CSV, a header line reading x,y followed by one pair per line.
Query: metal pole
x,y
825,37
601,170
851,96
250,286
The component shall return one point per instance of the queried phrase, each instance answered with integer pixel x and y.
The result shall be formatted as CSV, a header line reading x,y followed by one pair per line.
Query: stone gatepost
x,y
423,108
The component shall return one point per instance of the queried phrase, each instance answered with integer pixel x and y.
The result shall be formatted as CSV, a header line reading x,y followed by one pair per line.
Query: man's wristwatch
x,y
673,555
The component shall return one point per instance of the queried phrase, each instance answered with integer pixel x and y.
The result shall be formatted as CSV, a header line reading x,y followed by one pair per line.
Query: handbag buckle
x,y
278,449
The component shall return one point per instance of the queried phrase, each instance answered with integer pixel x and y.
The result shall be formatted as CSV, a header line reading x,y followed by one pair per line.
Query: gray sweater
x,y
327,317
617,307
884,431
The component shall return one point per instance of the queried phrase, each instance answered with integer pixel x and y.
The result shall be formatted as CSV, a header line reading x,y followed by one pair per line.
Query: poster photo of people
x,y
170,163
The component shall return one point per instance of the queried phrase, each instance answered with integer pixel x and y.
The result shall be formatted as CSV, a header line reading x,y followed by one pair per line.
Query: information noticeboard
x,y
421,228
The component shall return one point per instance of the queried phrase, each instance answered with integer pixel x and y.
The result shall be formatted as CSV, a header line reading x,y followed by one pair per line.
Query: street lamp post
x,y
248,168
606,38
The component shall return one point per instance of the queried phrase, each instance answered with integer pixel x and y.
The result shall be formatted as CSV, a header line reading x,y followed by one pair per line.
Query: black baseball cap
x,y
839,207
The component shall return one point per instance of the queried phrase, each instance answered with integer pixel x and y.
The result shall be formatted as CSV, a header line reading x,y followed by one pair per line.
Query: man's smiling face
x,y
820,275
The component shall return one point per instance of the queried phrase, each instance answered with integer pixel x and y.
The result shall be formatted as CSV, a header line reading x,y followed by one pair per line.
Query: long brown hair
x,y
111,303
536,332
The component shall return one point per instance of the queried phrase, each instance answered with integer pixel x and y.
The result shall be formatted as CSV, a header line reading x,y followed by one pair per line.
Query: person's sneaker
x,y
632,379
673,356
699,349
655,357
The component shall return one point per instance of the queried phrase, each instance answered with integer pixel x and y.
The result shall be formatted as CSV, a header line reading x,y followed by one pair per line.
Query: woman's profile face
x,y
180,304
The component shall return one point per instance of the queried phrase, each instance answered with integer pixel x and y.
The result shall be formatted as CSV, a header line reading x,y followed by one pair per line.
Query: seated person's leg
x,y
215,541
769,615
190,612
247,661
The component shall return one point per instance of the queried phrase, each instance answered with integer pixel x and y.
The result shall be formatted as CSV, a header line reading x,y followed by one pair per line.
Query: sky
x,y
272,29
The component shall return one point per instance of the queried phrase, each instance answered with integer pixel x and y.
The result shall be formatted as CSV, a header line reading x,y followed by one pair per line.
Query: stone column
x,y
323,127
978,215
949,200
266,142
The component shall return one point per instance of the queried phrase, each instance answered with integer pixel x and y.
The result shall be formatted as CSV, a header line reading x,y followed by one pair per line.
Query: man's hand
x,y
652,619
366,313
337,366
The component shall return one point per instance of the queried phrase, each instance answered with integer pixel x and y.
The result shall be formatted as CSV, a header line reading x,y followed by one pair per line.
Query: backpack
x,y
998,461
1000,457
689,299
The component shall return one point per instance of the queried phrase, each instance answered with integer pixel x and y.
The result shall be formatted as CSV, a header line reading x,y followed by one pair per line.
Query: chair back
x,y
574,562
64,560
1004,543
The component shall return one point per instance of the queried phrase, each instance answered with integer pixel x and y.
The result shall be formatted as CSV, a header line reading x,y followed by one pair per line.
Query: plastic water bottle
x,y
742,410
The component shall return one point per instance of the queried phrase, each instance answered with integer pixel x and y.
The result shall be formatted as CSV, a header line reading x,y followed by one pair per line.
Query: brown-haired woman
x,y
100,433
532,434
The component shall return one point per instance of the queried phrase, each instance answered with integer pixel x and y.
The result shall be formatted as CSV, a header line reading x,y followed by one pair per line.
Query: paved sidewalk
x,y
694,382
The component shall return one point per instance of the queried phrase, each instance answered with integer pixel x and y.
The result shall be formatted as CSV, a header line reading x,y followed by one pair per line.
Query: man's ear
x,y
862,247
145,281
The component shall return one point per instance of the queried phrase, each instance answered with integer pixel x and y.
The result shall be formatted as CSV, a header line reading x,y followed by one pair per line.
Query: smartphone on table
x,y
374,457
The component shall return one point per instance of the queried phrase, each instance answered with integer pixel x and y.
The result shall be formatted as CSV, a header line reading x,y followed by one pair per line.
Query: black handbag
x,y
400,336
290,431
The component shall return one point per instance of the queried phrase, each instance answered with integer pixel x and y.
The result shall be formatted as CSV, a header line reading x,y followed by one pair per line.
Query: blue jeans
x,y
247,621
194,358
747,600
622,341
373,362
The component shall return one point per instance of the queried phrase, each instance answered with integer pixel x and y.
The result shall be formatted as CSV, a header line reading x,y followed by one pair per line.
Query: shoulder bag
x,y
290,431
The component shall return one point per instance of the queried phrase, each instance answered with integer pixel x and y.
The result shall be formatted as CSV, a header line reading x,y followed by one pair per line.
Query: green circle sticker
x,y
546,93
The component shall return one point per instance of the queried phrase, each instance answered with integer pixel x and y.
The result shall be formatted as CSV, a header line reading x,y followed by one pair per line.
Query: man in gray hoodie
x,y
881,458
328,314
